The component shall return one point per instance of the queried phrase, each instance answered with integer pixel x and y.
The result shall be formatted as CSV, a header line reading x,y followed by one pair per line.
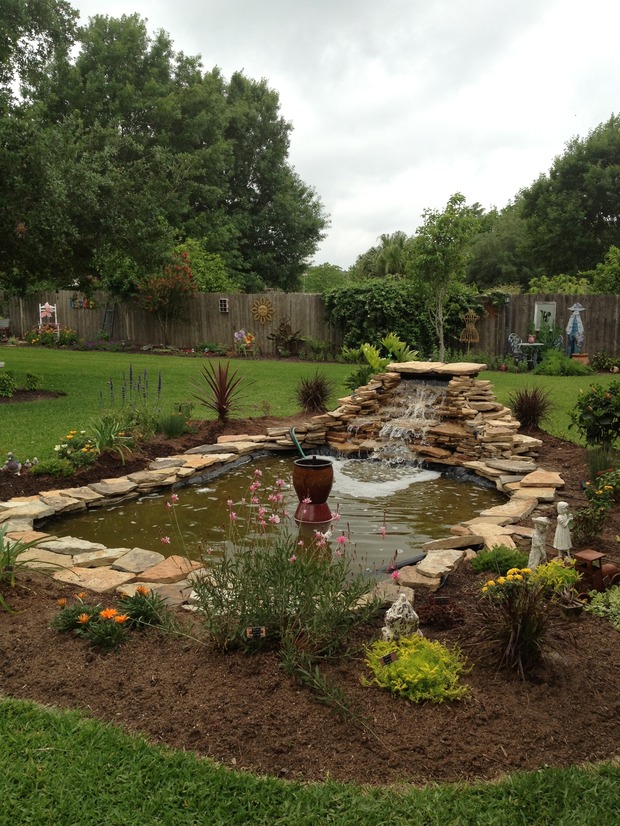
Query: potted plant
x,y
570,604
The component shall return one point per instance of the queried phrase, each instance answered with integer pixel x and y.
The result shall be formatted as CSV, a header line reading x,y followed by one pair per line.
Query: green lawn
x,y
33,428
63,768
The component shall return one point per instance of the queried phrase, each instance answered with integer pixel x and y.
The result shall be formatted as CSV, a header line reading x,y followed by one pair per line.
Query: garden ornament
x,y
538,554
562,538
574,330
12,465
401,620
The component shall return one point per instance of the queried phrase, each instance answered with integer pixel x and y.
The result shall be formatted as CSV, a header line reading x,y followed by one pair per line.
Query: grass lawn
x,y
33,428
63,768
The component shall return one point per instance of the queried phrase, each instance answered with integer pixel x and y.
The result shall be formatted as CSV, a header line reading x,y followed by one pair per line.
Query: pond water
x,y
411,504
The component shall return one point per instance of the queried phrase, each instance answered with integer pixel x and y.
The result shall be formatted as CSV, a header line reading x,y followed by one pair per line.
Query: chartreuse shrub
x,y
499,560
419,669
556,576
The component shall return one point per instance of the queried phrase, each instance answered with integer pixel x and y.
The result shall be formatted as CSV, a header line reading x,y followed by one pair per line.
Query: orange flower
x,y
62,602
83,619
108,613
142,590
121,618
81,595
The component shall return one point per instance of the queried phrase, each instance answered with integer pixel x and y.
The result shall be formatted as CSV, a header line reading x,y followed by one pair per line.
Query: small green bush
x,y
422,670
499,560
531,406
555,363
556,575
607,605
8,385
172,424
53,467
597,414
314,392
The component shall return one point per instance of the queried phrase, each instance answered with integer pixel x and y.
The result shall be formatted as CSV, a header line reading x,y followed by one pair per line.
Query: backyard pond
x,y
386,511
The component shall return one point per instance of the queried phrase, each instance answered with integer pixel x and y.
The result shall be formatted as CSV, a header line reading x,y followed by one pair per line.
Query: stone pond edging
x,y
469,429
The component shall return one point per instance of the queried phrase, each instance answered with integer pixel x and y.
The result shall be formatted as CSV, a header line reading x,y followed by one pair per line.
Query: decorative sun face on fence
x,y
262,310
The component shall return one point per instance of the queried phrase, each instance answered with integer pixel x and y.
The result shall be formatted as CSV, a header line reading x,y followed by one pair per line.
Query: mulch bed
x,y
244,711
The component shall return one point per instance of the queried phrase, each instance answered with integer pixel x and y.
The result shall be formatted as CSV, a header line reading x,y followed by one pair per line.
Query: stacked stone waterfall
x,y
462,422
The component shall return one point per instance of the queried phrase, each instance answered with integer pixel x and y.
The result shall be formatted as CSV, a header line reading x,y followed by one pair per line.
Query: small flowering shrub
x,y
50,336
107,628
514,619
421,670
295,592
78,448
597,414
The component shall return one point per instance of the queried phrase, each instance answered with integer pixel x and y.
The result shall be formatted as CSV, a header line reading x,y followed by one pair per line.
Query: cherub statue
x,y
538,554
401,620
562,540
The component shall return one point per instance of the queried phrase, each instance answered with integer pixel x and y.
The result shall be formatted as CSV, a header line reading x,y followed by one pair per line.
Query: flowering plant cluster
x,y
78,448
601,494
50,335
597,414
107,628
244,342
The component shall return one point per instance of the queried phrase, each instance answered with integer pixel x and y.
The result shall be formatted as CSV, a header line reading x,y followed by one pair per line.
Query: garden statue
x,y
12,465
574,330
538,554
562,539
401,620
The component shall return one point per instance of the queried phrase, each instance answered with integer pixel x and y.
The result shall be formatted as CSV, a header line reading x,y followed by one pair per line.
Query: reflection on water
x,y
413,506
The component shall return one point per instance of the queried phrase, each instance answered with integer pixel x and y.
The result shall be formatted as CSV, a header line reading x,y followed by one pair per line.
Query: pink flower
x,y
165,540
395,575
261,511
233,516
258,472
383,531
229,502
274,519
272,497
168,505
335,516
279,497
306,501
339,554
279,483
254,500
254,486
292,558
342,540
300,544
174,497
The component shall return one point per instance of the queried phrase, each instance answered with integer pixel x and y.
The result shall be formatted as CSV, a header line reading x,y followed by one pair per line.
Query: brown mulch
x,y
244,711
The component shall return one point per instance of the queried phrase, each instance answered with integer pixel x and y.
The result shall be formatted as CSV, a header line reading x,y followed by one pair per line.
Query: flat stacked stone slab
x,y
99,580
137,560
71,545
41,560
172,569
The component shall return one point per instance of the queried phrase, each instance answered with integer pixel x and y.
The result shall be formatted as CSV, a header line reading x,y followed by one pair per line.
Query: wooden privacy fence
x,y
214,319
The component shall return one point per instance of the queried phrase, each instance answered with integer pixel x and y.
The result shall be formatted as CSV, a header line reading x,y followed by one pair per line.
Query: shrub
x,y
316,349
555,363
33,381
172,424
223,390
499,560
314,392
286,340
597,415
588,524
556,576
531,405
607,605
77,448
422,670
514,620
603,362
8,385
53,467
109,431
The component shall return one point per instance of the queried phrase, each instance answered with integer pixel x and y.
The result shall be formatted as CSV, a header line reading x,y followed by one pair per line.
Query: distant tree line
x,y
117,153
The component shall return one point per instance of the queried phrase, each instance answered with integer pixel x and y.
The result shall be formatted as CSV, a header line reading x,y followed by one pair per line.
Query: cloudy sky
x,y
397,105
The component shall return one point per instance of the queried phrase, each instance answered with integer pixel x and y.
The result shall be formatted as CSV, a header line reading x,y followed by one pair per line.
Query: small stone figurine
x,y
401,620
538,554
562,539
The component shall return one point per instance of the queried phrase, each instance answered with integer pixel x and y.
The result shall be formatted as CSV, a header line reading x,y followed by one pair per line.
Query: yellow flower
x,y
484,589
108,613
501,580
526,571
513,571
490,583
69,436
518,577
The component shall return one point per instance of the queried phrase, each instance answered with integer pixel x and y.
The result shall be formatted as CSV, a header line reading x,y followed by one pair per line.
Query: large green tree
x,y
573,212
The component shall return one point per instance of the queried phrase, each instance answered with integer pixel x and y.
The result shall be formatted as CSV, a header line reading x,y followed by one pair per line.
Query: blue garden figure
x,y
574,330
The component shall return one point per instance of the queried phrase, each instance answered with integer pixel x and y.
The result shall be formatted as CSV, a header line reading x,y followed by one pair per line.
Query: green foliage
x,y
78,448
531,405
422,671
607,273
166,294
136,402
359,377
499,560
53,467
555,363
111,431
606,604
313,393
322,277
317,350
587,525
8,384
262,577
514,620
556,575
49,336
561,285
223,389
396,350
34,381
208,268
602,362
145,608
286,340
596,415
172,424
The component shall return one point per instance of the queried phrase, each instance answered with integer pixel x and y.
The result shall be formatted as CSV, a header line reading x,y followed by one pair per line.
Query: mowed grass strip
x,y
59,767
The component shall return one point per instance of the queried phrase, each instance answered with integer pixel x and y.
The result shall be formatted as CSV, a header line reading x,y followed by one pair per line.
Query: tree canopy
x,y
124,151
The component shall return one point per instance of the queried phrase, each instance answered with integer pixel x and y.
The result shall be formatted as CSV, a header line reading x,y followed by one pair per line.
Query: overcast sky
x,y
399,104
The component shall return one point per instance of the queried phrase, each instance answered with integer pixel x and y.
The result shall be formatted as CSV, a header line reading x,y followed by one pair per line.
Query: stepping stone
x,y
452,542
71,545
28,535
100,580
153,478
25,510
410,577
63,504
168,462
515,510
114,487
512,465
84,493
137,560
207,450
17,526
463,368
542,494
97,559
172,569
542,479
40,560
438,563
197,462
